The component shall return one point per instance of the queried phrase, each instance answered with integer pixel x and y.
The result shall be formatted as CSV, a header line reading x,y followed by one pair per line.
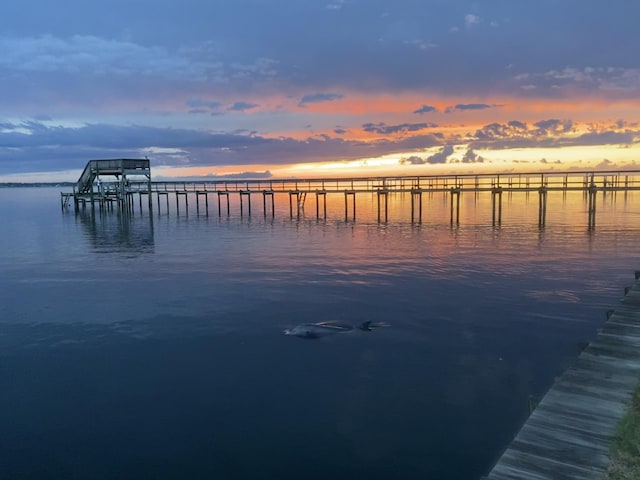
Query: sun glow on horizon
x,y
429,161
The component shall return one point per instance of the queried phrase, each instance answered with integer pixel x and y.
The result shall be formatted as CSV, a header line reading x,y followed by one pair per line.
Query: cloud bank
x,y
241,83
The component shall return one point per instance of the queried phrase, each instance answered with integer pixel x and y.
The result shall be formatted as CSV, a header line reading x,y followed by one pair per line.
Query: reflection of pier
x,y
569,434
117,232
298,190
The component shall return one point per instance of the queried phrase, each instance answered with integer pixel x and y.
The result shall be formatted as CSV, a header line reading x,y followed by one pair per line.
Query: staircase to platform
x,y
118,190
87,178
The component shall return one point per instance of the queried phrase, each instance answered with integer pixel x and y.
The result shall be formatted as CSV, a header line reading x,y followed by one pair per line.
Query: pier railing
x,y
552,181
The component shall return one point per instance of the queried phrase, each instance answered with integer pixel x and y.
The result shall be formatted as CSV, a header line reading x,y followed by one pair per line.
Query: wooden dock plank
x,y
556,437
600,378
569,435
593,391
624,325
551,446
528,466
595,425
578,427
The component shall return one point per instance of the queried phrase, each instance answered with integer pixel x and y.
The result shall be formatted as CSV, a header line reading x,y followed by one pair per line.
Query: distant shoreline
x,y
36,184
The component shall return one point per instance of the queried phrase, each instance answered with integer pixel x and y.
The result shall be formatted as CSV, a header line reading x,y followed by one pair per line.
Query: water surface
x,y
150,345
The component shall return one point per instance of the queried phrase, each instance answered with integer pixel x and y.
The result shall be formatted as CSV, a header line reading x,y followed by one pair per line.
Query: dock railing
x,y
552,181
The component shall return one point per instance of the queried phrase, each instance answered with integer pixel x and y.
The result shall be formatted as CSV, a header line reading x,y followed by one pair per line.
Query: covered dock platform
x,y
110,181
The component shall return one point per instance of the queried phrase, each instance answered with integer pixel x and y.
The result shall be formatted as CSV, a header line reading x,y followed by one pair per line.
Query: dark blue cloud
x,y
441,156
609,138
32,146
518,125
199,103
242,106
472,106
472,157
319,98
546,127
550,133
425,109
413,160
469,106
384,129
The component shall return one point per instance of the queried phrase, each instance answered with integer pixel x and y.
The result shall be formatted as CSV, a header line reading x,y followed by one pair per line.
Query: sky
x,y
318,88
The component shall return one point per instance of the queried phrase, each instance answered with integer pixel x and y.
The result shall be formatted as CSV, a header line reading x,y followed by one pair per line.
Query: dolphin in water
x,y
322,329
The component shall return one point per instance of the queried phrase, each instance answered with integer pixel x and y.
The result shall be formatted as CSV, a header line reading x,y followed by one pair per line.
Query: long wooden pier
x,y
591,183
569,434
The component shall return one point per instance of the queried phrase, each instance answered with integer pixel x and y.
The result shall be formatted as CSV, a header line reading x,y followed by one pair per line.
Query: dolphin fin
x,y
367,325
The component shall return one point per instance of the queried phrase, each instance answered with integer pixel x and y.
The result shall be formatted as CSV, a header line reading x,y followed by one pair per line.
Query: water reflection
x,y
180,355
114,231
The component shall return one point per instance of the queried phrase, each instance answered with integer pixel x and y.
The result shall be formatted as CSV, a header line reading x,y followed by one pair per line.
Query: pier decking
x,y
569,434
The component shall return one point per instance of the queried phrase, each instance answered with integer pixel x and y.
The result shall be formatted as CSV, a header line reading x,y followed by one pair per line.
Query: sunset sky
x,y
312,88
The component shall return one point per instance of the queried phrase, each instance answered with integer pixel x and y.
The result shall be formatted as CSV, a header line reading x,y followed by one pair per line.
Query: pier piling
x,y
496,202
166,196
265,194
245,193
542,207
184,194
204,193
296,194
223,194
347,194
455,206
321,194
416,197
381,194
591,212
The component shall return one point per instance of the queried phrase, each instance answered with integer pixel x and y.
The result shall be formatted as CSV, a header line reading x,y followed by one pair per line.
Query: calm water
x,y
151,346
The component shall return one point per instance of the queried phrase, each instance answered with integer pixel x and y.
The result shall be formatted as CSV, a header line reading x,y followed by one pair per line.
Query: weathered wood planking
x,y
569,434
